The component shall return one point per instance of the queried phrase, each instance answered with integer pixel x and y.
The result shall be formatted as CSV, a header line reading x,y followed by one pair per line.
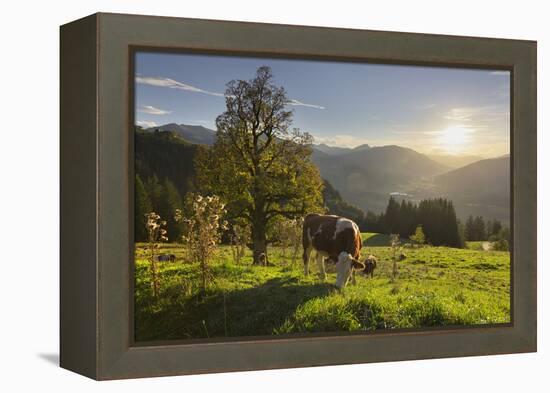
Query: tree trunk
x,y
259,242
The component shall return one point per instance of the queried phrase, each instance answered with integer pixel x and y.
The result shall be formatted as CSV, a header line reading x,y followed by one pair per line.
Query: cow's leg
x,y
353,282
321,265
306,257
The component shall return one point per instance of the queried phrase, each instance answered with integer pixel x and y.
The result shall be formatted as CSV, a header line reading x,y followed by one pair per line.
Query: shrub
x,y
156,232
288,233
418,237
203,232
238,239
501,245
396,248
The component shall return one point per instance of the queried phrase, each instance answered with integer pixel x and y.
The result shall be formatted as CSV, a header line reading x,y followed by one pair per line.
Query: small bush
x,y
203,231
501,245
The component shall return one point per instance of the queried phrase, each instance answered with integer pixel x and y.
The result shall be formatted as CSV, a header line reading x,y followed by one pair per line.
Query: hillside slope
x,y
366,177
166,155
193,134
481,188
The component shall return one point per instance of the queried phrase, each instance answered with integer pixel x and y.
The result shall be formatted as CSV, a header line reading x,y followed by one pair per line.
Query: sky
x,y
434,110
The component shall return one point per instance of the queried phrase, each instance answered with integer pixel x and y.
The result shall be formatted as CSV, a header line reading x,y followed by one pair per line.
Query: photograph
x,y
277,197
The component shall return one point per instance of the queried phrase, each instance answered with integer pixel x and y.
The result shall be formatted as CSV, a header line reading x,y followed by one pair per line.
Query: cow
x,y
166,258
370,265
336,238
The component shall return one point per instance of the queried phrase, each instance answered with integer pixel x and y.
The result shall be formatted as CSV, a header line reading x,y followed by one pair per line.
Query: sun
x,y
454,139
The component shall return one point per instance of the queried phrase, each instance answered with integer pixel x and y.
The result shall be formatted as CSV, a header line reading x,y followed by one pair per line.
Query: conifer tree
x,y
142,207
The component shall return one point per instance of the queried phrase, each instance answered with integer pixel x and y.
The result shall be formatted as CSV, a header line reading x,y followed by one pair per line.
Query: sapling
x,y
156,233
396,248
239,237
289,235
202,234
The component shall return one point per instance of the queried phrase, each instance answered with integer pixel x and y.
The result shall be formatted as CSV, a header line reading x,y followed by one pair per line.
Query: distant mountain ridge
x,y
366,176
481,188
194,134
480,174
331,150
454,161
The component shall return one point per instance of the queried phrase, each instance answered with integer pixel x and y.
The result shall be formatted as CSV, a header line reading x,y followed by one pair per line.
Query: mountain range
x,y
365,176
194,134
480,188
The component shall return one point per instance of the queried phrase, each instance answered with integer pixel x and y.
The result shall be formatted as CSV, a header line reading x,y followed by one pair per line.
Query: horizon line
x,y
348,147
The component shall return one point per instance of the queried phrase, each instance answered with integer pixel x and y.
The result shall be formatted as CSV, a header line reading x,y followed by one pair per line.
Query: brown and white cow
x,y
335,238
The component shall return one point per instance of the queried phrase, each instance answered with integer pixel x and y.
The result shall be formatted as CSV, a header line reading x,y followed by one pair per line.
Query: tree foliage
x,y
142,206
259,165
436,216
158,196
439,222
418,237
164,154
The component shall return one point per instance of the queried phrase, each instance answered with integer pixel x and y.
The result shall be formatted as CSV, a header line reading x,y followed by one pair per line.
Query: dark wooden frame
x,y
96,180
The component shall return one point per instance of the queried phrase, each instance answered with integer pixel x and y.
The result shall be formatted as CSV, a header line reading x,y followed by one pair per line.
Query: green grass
x,y
371,239
436,286
475,246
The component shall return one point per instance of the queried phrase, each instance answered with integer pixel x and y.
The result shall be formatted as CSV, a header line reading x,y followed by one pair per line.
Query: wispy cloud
x,y
146,124
299,103
477,116
461,114
151,110
172,84
501,73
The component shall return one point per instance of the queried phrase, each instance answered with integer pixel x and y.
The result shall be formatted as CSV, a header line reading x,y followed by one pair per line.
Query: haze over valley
x,y
366,176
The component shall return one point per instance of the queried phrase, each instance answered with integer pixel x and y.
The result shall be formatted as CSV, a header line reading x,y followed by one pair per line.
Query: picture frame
x,y
96,171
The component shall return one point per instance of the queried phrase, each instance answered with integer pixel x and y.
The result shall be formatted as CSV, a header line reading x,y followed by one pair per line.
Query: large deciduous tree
x,y
260,166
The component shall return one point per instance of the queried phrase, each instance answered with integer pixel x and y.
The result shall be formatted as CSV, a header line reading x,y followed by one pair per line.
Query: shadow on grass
x,y
243,312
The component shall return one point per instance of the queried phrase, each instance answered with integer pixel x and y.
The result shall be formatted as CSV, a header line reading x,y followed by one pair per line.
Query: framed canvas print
x,y
241,196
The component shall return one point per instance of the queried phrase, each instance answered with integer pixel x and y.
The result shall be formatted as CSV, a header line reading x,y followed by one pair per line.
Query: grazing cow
x,y
166,258
335,238
370,265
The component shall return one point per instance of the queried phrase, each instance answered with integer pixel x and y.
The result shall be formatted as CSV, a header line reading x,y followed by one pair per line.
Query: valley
x,y
366,176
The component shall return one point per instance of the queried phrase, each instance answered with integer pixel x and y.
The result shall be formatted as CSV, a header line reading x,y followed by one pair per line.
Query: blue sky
x,y
434,110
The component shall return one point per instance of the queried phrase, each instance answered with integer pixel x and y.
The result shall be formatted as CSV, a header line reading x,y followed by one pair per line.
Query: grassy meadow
x,y
436,286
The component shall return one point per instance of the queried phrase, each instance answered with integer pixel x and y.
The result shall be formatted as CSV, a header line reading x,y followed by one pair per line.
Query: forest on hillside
x,y
165,174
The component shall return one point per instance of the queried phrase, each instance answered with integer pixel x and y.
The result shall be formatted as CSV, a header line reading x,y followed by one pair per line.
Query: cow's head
x,y
370,261
344,267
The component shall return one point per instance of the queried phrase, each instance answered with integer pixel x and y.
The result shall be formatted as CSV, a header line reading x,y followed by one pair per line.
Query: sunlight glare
x,y
454,139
